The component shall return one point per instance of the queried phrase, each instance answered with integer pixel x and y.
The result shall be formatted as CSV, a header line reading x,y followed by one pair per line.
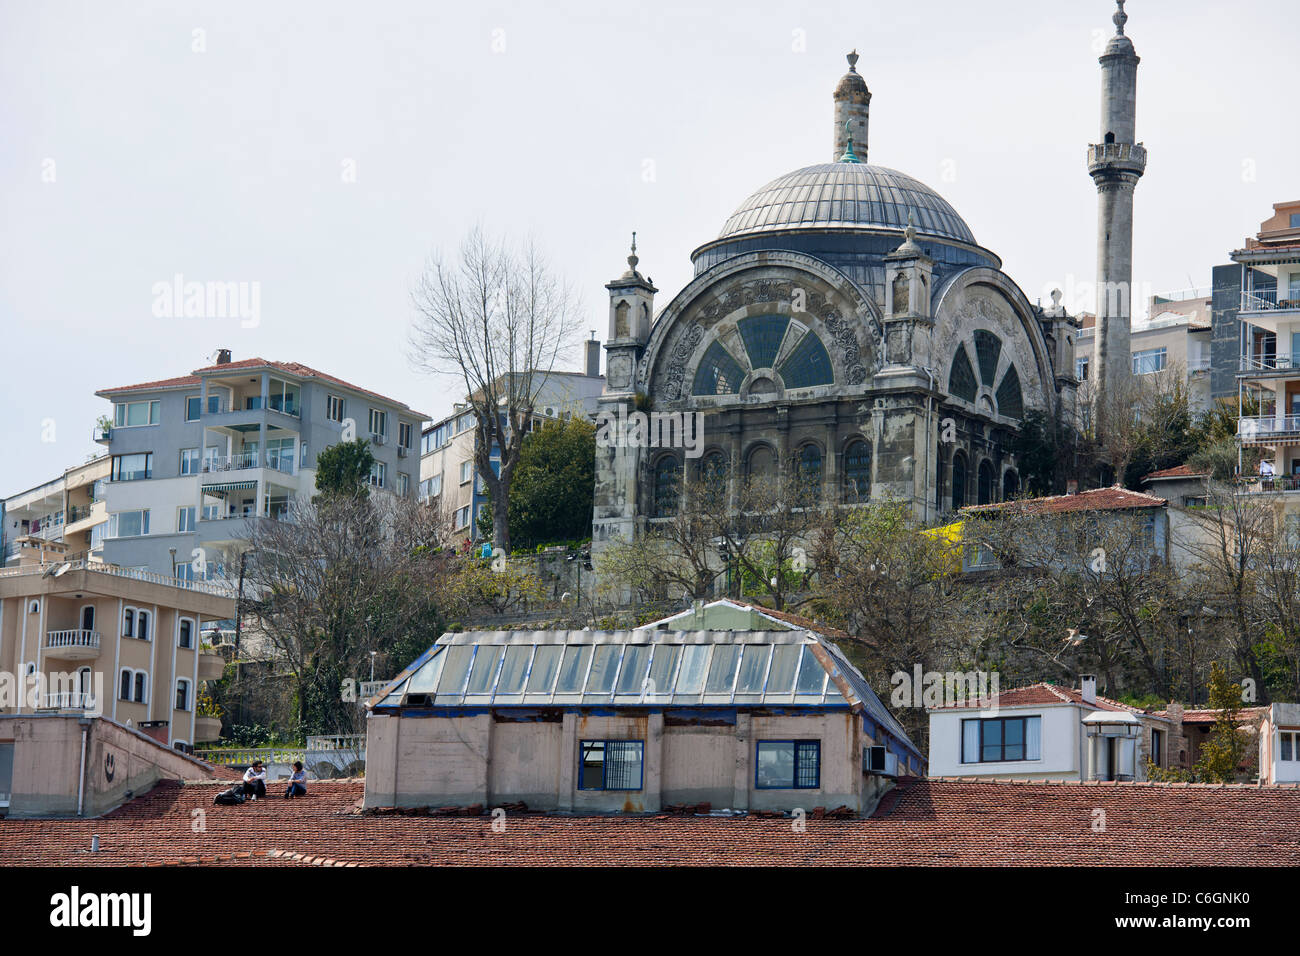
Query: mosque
x,y
847,323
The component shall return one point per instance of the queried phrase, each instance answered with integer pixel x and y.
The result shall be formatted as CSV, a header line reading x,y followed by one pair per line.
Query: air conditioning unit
x,y
879,760
402,451
377,438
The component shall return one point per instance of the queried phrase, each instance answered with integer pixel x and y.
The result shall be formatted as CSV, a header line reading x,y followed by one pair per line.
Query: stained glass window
x,y
762,335
807,365
1010,401
987,348
718,374
961,381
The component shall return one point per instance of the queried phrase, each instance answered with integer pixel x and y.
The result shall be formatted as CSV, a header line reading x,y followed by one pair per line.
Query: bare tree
x,y
498,317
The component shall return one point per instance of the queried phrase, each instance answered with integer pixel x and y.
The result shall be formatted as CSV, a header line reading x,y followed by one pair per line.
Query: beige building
x,y
93,639
1175,333
68,509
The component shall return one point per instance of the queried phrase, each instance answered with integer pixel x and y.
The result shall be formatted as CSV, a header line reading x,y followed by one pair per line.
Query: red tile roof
x,y
1247,715
1036,695
1098,499
1178,471
921,822
289,368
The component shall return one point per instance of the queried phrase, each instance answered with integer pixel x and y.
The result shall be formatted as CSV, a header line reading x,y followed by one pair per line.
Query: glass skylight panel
x,y
485,669
515,669
662,669
573,670
812,676
785,661
722,672
753,668
394,699
546,663
636,660
695,662
455,670
603,668
425,680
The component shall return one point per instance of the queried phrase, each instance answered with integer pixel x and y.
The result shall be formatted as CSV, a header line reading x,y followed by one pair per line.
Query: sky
x,y
318,152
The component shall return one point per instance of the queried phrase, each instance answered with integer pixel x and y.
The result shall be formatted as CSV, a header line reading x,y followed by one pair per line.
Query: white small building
x,y
1045,732
1279,745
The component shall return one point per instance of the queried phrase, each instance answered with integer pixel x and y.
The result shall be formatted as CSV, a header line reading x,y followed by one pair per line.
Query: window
x,y
377,474
141,687
182,694
810,475
667,486
857,471
184,520
1290,741
1157,747
128,622
462,517
404,430
142,625
718,373
190,461
282,396
1148,361
961,379
335,408
193,405
431,487
611,764
466,471
958,480
132,467
1000,739
1081,369
788,765
1295,220
128,524
378,422
131,414
124,687
186,638
403,484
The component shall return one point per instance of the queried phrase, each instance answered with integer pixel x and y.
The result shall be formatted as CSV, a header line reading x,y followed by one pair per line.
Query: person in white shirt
x,y
255,781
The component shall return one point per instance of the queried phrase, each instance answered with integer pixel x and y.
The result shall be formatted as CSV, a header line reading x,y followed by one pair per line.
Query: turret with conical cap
x,y
852,107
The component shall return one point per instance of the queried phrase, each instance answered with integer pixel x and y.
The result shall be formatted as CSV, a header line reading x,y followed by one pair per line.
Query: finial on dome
x,y
632,260
910,232
853,61
1120,18
849,156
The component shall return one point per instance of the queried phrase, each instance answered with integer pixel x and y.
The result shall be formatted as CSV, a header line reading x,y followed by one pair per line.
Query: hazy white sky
x,y
128,156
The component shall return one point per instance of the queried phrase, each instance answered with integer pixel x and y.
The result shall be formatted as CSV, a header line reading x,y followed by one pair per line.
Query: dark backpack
x,y
230,798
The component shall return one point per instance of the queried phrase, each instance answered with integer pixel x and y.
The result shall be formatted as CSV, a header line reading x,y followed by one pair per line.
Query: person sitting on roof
x,y
255,781
297,782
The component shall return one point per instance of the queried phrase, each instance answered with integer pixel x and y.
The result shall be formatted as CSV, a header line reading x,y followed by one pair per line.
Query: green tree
x,y
551,495
344,469
1222,751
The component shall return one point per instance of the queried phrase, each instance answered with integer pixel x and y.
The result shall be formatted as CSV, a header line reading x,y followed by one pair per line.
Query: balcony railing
x,y
1268,300
151,577
280,461
80,512
77,637
1269,484
68,700
1285,362
1260,427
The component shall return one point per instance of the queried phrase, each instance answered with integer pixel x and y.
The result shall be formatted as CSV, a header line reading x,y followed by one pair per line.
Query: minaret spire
x,y
852,108
1116,163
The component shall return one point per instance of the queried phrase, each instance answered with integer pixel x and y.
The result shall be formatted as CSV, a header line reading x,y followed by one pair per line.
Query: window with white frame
x,y
128,622
128,524
378,422
193,405
142,623
462,517
466,471
185,633
431,487
404,431
1289,741
132,467
377,472
185,520
191,461
1081,369
403,485
133,414
133,685
1149,360
182,694
335,408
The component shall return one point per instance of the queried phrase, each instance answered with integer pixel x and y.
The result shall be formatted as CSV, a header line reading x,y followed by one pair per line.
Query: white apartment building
x,y
68,510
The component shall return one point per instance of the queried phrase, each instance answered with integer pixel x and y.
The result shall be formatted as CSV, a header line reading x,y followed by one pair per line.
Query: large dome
x,y
846,195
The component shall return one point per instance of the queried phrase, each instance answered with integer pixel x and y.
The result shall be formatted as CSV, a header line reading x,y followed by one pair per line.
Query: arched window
x,y
88,617
141,686
1010,485
958,480
185,637
985,483
940,472
761,462
810,474
182,694
961,380
667,486
128,623
142,625
857,471
124,687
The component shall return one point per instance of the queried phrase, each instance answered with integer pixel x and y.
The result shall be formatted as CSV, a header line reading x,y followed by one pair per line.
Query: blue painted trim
x,y
794,760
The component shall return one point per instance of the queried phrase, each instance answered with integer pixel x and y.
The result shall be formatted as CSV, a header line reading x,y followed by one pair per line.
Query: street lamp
x,y
372,665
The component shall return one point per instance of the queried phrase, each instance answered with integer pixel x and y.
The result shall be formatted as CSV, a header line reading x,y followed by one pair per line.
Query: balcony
x,y
101,435
206,729
280,461
1269,485
77,700
211,666
1270,366
1127,157
1268,429
74,645
1267,300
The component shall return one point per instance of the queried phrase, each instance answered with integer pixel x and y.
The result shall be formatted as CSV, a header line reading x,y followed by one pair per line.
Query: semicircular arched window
x,y
961,380
769,341
807,364
718,374
810,475
1011,402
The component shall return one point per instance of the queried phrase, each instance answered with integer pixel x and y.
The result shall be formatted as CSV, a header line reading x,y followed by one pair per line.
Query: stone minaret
x,y
1115,164
852,105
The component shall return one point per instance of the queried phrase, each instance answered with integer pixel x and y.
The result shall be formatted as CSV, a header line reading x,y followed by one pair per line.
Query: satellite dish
x,y
63,568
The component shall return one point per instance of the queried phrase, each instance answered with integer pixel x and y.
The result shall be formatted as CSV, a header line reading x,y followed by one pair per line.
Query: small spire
x,y
849,156
853,61
632,260
910,232
1120,18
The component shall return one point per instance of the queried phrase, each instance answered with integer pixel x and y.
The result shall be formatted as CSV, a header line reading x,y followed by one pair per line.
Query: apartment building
x,y
1269,344
78,636
193,459
68,509
1175,332
447,473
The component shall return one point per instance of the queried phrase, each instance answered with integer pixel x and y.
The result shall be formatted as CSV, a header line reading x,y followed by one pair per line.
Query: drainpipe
x,y
81,774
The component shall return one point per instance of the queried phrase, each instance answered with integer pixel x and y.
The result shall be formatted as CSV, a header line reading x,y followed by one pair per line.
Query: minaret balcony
x,y
1121,157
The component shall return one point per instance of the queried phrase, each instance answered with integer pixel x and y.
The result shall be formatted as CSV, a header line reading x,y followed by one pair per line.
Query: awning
x,y
229,486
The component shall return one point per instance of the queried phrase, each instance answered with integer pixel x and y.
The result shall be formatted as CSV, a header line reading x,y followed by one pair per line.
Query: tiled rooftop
x,y
1098,499
1036,695
923,822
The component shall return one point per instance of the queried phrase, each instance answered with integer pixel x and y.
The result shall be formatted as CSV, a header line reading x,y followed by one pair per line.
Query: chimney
x,y
223,356
593,356
1088,688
